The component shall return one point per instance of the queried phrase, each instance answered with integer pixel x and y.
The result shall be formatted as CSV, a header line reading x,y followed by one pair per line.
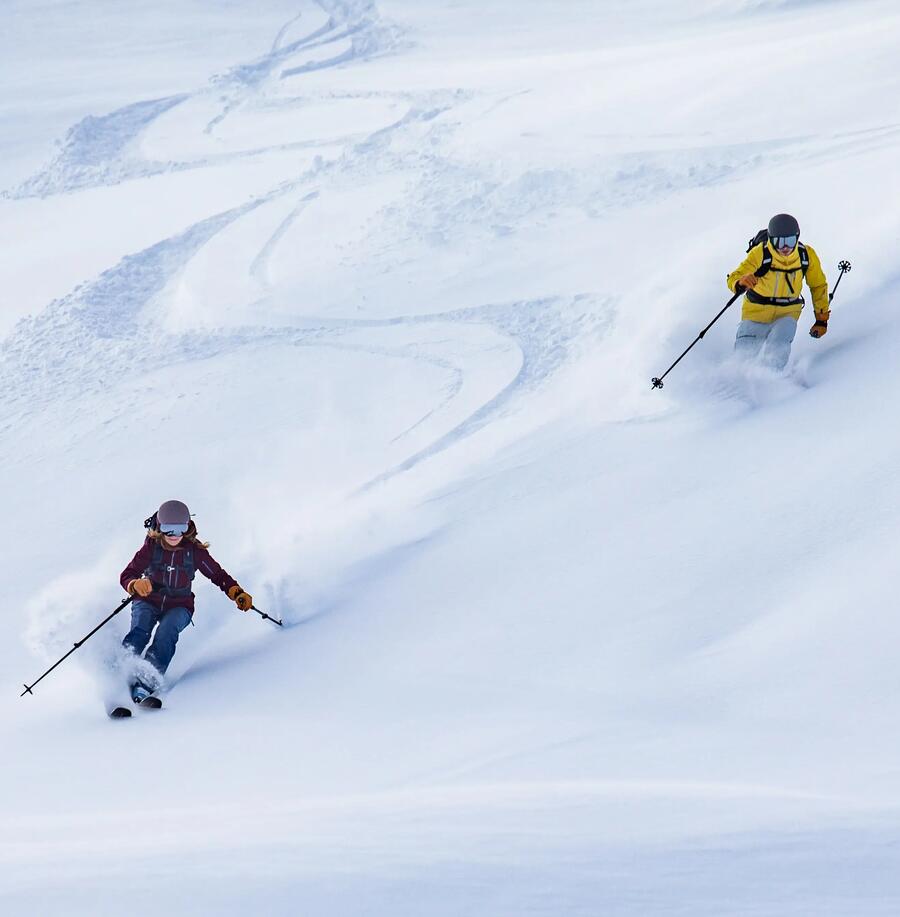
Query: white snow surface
x,y
378,289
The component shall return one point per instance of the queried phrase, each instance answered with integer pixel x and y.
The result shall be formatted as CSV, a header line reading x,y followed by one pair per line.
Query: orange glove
x,y
749,281
140,587
240,598
821,326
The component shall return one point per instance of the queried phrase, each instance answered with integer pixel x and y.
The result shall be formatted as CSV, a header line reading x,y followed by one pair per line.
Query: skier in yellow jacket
x,y
772,277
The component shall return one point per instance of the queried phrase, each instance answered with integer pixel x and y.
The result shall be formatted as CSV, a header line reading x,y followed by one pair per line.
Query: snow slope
x,y
378,289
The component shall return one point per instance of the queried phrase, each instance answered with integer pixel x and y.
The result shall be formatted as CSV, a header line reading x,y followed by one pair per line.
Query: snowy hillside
x,y
378,288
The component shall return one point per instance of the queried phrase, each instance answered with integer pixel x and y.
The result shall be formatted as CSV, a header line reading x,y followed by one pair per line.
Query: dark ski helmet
x,y
784,226
173,518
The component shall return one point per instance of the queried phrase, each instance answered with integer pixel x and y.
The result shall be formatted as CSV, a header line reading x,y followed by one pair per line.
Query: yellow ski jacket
x,y
783,281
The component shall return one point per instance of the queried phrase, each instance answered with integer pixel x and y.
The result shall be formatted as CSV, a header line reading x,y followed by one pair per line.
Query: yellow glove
x,y
140,587
242,599
821,326
749,281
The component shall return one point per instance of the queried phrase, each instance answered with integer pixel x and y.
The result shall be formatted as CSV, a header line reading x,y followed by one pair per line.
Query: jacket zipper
x,y
169,585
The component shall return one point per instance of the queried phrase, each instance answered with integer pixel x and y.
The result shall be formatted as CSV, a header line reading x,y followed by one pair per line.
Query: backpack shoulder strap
x,y
766,263
189,565
156,559
804,258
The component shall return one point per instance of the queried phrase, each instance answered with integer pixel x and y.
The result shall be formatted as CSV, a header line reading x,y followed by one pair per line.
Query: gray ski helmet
x,y
173,517
783,224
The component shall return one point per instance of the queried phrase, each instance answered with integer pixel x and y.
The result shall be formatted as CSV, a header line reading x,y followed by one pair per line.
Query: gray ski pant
x,y
770,341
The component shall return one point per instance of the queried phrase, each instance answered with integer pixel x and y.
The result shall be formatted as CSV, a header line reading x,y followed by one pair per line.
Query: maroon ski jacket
x,y
171,570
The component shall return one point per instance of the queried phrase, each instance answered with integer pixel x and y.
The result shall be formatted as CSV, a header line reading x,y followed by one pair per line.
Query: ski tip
x,y
119,713
150,703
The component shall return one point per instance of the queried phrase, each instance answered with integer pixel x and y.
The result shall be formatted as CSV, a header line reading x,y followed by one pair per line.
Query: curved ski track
x,y
98,331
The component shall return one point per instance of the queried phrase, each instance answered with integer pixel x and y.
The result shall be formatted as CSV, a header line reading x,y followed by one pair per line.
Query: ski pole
x,y
657,381
843,267
75,647
267,617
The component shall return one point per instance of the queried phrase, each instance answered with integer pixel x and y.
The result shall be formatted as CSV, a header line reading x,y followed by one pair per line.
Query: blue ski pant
x,y
770,341
169,624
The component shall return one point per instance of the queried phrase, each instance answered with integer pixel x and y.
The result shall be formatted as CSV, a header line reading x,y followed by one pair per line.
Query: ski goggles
x,y
173,528
784,241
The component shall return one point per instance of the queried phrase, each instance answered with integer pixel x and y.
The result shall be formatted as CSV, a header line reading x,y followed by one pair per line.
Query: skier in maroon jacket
x,y
159,577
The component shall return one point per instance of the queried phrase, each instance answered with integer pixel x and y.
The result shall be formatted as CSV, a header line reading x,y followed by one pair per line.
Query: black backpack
x,y
760,239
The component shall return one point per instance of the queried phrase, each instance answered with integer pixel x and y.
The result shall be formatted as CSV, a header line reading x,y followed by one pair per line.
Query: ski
x,y
150,703
118,713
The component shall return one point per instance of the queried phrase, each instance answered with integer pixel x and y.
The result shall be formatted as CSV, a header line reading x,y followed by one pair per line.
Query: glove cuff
x,y
822,316
234,592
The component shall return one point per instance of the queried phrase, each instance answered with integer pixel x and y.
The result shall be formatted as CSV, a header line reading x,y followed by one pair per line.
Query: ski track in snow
x,y
97,331
101,329
96,150
542,837
92,334
259,265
